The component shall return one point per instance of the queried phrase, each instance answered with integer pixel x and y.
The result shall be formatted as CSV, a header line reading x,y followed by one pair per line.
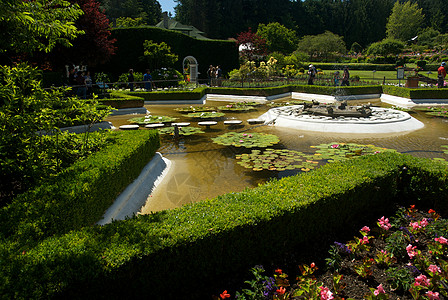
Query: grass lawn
x,y
379,75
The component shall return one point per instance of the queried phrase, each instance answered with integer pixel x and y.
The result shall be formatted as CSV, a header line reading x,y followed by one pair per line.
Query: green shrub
x,y
396,91
170,252
79,195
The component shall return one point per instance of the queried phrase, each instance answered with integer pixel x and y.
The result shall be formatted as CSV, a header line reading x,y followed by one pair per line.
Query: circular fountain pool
x,y
379,120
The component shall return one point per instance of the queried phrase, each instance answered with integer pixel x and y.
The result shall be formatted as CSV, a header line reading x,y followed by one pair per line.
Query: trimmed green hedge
x,y
168,254
79,195
130,48
396,91
427,93
198,93
355,66
122,100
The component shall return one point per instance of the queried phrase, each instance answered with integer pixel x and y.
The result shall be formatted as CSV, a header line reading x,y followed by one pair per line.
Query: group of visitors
x,y
147,78
312,71
214,75
345,78
441,74
81,82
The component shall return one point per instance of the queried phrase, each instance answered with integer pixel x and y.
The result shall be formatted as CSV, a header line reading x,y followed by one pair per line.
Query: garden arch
x,y
190,66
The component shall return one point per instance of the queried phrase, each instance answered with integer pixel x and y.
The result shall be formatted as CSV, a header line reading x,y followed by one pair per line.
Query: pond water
x,y
202,169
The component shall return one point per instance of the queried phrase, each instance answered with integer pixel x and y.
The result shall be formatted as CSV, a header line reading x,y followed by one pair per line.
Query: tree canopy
x,y
322,45
386,47
405,21
158,55
28,26
278,37
149,11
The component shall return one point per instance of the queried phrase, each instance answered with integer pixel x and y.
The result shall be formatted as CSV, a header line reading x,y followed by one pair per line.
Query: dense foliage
x,y
130,48
361,21
148,11
27,26
27,112
175,252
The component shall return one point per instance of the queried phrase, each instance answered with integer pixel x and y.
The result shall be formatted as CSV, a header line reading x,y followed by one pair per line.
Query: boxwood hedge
x,y
168,254
79,196
199,92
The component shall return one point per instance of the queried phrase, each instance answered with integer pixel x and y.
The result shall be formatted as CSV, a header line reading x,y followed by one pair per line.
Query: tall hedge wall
x,y
130,47
176,253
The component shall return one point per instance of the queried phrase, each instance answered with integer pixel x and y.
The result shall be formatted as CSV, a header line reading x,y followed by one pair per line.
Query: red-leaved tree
x,y
251,45
92,48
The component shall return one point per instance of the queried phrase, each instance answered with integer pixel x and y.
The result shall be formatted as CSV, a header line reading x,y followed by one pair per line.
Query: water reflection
x,y
202,169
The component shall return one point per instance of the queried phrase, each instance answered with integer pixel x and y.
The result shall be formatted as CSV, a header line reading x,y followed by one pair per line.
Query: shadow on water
x,y
202,169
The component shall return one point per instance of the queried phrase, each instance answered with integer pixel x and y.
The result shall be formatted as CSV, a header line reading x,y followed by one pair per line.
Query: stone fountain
x,y
341,118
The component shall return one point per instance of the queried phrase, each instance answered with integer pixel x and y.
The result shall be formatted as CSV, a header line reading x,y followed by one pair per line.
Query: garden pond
x,y
203,169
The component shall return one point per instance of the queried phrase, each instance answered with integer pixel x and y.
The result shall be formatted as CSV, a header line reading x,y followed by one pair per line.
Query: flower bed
x,y
401,258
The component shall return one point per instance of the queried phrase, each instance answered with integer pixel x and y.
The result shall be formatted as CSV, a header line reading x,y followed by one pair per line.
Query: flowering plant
x,y
420,273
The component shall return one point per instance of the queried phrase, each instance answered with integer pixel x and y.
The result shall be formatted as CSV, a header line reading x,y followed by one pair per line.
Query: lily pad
x,y
246,140
277,160
236,108
192,109
206,115
182,130
148,119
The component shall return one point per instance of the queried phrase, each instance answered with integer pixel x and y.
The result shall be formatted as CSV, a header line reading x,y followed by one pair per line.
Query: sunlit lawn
x,y
379,75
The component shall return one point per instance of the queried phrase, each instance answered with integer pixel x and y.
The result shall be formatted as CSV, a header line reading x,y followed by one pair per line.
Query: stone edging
x,y
132,199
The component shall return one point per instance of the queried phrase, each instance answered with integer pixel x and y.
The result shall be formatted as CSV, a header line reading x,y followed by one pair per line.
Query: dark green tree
x,y
387,47
39,25
278,37
158,55
322,46
405,21
149,11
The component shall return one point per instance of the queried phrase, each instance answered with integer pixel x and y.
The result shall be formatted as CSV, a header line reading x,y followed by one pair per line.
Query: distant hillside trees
x,y
149,11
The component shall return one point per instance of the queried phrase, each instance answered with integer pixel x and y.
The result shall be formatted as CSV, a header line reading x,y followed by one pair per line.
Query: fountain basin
x,y
382,120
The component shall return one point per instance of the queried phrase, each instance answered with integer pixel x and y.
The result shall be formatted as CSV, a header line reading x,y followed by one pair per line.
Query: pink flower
x,y
424,222
325,293
441,240
365,229
411,251
415,225
364,240
384,223
379,290
421,280
241,141
335,146
244,134
432,295
434,269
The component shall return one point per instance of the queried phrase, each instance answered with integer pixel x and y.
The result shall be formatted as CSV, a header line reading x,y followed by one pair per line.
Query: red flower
x,y
281,290
313,265
278,271
224,295
431,211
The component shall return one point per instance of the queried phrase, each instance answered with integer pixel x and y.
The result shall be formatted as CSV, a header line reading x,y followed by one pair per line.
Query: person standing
x,y
346,77
210,75
81,83
311,74
336,78
131,80
441,74
148,80
218,76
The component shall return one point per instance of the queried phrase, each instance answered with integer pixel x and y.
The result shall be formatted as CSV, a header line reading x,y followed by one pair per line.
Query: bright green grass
x,y
379,75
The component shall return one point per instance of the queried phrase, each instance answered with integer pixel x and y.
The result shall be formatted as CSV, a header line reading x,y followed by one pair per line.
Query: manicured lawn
x,y
379,75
